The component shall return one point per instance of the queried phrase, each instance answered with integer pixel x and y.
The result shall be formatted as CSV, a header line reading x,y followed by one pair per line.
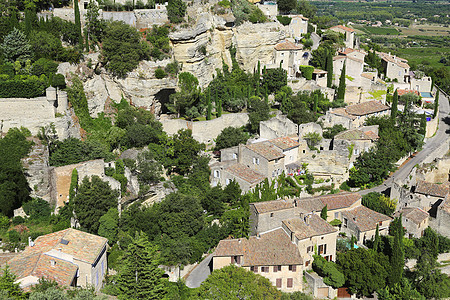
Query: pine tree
x,y
436,104
394,108
77,21
13,20
341,88
266,94
324,212
316,103
139,276
376,242
86,36
209,108
329,69
398,253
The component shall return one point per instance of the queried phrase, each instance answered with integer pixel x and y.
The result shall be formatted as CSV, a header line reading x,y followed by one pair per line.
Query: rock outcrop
x,y
140,87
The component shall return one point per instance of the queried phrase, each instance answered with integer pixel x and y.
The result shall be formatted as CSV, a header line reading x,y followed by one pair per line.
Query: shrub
x,y
284,20
29,87
172,68
225,3
18,220
4,222
59,81
160,73
307,71
13,236
176,10
37,208
44,66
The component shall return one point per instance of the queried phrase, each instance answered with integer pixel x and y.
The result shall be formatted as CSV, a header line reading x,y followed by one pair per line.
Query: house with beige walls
x,y
415,220
288,56
271,255
222,173
298,26
70,257
430,194
353,60
354,116
348,32
362,222
289,146
310,232
395,67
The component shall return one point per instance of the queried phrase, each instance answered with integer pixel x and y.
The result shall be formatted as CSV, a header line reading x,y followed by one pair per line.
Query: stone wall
x,y
278,126
205,131
432,126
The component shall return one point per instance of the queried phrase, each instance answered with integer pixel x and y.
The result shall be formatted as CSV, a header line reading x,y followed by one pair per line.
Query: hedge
x,y
307,71
284,20
28,88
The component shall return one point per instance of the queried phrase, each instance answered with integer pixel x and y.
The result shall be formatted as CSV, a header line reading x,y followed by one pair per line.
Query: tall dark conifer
x,y
341,88
398,253
329,69
436,104
394,107
376,242
77,21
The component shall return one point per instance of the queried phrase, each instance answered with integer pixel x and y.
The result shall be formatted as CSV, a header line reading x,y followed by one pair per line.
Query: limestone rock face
x,y
37,170
140,87
255,42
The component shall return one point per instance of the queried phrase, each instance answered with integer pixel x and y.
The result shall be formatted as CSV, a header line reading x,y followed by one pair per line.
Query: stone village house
x,y
70,257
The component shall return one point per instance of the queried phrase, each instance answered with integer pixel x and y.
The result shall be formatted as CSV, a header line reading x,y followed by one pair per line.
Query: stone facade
x,y
349,34
277,126
298,26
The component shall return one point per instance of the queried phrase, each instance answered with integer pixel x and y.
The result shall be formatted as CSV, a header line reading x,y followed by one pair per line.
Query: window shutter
x,y
290,282
278,281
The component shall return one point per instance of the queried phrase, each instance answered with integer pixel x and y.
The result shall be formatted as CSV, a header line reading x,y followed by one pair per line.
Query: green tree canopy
x,y
139,276
94,198
235,283
176,10
16,46
231,136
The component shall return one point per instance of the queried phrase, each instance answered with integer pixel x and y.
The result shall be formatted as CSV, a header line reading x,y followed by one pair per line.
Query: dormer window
x,y
216,174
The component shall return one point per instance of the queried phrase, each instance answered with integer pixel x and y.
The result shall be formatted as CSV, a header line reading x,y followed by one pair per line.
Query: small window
x,y
276,160
345,222
216,174
290,282
293,268
271,215
254,269
380,223
278,282
227,181
234,155
85,5
307,263
336,215
304,151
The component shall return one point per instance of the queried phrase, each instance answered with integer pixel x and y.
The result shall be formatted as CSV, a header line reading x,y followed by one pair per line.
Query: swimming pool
x,y
426,95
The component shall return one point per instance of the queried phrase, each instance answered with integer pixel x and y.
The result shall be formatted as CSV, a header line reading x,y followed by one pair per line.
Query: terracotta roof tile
x,y
356,134
316,226
343,28
245,173
342,112
284,143
401,92
415,214
332,201
287,45
269,249
365,218
268,206
432,189
266,150
401,62
366,108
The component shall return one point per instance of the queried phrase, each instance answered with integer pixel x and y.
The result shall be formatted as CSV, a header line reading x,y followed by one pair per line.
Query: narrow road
x,y
316,40
442,136
200,273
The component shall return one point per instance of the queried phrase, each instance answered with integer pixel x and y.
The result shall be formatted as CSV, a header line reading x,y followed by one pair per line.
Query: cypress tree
x,y
423,125
139,276
398,253
73,185
341,88
266,94
77,21
86,36
209,108
329,69
324,212
376,242
13,20
28,21
394,108
316,103
436,104
219,109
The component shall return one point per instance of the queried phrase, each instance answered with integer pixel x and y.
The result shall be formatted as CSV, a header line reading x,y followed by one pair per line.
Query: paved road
x,y
200,273
442,136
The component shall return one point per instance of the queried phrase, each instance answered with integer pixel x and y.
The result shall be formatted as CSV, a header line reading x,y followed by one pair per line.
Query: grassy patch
x,y
377,95
378,30
423,55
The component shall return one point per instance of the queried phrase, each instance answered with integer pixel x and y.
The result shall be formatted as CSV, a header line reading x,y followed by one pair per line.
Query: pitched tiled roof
x,y
356,134
415,214
401,62
365,218
269,249
81,245
366,108
432,189
401,92
284,143
274,205
342,112
332,201
286,45
266,150
245,173
313,226
368,75
298,16
343,28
